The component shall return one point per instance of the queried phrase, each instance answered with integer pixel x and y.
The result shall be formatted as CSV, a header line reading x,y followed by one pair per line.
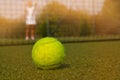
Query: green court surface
x,y
84,61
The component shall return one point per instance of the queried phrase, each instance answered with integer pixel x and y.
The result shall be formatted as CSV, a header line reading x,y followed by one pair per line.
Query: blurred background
x,y
62,18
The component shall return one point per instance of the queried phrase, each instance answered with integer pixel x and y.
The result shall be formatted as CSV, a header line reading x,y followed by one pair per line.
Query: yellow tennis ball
x,y
48,53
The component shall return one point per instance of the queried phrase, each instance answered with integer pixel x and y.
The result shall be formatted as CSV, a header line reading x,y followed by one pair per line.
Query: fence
x,y
62,18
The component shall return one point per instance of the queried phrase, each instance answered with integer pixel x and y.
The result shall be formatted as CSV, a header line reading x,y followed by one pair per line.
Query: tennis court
x,y
88,29
84,61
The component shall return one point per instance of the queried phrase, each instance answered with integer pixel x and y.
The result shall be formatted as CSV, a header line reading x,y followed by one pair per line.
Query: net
x,y
66,19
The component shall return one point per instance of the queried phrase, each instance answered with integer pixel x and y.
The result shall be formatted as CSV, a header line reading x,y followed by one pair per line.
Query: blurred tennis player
x,y
30,10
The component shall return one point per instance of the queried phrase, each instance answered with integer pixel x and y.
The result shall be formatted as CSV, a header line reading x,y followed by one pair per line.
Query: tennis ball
x,y
48,53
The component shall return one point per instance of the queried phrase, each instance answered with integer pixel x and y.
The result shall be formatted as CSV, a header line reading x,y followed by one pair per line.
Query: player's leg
x,y
27,32
32,32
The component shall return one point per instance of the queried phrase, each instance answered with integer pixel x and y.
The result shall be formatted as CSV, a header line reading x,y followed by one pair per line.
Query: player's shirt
x,y
30,16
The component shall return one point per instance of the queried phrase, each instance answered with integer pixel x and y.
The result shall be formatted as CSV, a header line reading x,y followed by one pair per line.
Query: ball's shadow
x,y
63,66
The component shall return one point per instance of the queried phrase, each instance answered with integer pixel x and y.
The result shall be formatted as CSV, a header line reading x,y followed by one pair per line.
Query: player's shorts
x,y
30,21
